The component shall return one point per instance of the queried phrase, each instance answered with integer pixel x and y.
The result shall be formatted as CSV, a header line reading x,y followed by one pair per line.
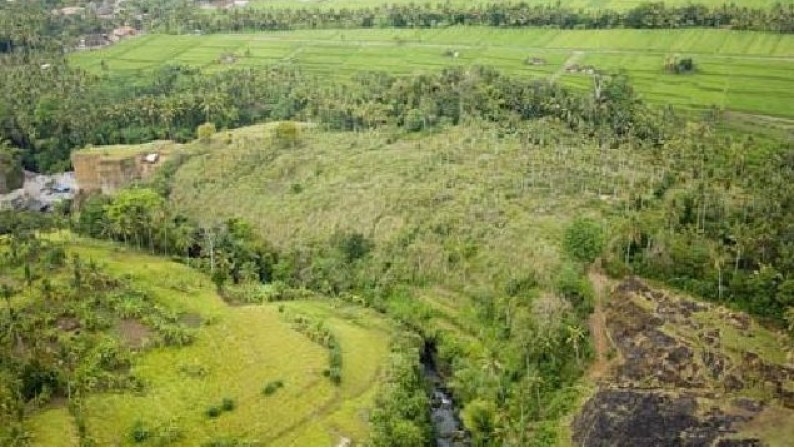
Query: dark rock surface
x,y
674,383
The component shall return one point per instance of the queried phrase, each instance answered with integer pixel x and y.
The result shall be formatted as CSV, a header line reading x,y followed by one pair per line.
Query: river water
x,y
447,427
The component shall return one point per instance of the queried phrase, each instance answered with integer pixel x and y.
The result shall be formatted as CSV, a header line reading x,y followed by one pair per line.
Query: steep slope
x,y
469,205
236,352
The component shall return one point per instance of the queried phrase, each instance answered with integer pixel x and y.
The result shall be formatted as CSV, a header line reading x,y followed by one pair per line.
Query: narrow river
x,y
447,427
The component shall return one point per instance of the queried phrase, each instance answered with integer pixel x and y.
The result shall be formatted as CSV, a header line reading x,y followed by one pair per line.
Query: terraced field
x,y
258,346
743,71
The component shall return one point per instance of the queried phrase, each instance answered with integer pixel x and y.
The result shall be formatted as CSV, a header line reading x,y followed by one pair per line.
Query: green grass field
x,y
750,72
237,351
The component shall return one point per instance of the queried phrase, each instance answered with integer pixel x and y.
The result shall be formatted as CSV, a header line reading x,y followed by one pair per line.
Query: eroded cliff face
x,y
687,373
106,171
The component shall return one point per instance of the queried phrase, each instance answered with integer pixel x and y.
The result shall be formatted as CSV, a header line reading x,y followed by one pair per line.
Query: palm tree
x,y
575,335
183,240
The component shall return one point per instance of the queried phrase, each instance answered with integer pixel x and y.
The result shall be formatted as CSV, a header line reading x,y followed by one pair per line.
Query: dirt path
x,y
572,59
597,324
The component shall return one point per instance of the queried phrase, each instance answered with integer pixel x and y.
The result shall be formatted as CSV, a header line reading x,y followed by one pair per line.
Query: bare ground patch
x,y
133,333
682,378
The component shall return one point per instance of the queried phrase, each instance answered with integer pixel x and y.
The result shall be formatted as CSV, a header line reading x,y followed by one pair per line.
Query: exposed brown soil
x,y
133,333
598,329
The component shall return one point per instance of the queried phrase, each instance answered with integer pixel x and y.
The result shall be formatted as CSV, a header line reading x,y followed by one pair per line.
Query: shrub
x,y
521,285
286,134
140,432
205,132
576,289
272,387
213,411
228,404
414,120
584,240
479,417
335,375
353,245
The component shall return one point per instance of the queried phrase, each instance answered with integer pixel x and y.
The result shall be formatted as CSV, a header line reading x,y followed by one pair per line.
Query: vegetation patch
x,y
317,332
272,387
172,381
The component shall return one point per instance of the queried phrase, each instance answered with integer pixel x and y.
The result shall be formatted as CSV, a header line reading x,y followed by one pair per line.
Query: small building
x,y
123,32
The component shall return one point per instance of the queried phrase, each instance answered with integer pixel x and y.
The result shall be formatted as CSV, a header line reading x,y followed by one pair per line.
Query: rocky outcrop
x,y
99,170
644,418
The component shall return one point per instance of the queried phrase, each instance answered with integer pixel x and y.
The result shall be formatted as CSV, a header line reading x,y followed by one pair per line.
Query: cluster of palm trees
x,y
778,18
719,222
51,111
140,217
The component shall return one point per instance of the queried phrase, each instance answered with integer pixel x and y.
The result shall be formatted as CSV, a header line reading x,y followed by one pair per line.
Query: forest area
x,y
348,255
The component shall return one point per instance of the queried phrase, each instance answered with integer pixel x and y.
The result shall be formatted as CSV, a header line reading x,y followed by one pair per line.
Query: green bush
x,y
272,387
205,132
213,411
576,289
286,134
584,240
414,120
228,404
140,432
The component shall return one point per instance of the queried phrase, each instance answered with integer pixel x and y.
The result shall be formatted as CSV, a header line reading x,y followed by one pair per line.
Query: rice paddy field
x,y
749,72
258,347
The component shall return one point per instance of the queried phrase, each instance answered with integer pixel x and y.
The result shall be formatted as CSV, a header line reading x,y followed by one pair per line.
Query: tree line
x,y
32,26
651,15
57,315
718,223
52,111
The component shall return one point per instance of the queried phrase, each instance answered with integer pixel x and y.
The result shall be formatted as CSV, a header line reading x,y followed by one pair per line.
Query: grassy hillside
x,y
743,71
237,351
465,196
467,225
